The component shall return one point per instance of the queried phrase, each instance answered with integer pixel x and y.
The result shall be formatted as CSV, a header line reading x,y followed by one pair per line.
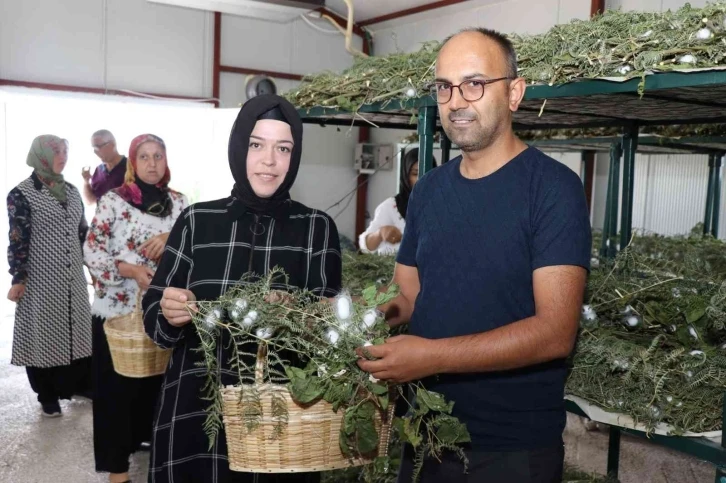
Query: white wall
x,y
408,33
508,16
652,5
143,46
670,191
148,47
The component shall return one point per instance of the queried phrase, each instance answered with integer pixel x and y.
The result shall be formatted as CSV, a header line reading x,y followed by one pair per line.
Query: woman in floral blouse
x,y
125,241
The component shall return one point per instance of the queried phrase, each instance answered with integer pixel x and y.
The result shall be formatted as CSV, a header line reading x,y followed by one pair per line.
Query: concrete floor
x,y
34,449
38,450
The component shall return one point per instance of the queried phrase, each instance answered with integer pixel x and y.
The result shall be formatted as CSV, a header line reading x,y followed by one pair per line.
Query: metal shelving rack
x,y
714,147
696,97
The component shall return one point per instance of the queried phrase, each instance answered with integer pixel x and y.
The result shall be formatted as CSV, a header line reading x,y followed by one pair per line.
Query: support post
x,y
630,146
709,195
445,148
426,127
718,161
613,452
721,471
588,176
609,230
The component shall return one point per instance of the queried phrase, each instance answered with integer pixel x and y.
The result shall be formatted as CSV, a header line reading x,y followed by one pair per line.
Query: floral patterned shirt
x,y
117,231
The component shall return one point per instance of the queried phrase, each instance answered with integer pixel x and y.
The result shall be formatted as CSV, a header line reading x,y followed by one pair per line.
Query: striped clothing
x,y
210,248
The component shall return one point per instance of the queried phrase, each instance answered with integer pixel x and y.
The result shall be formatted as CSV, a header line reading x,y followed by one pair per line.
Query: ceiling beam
x,y
409,11
269,73
95,90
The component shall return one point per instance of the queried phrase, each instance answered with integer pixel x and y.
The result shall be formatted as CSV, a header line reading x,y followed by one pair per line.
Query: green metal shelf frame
x,y
701,448
398,114
714,147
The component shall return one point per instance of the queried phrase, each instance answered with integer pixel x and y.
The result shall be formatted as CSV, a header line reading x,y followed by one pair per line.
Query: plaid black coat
x,y
210,248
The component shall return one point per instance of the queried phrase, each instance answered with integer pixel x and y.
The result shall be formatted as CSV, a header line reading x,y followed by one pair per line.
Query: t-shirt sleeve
x,y
561,224
409,243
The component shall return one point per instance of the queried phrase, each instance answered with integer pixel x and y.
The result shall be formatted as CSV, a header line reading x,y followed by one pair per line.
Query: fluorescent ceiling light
x,y
270,10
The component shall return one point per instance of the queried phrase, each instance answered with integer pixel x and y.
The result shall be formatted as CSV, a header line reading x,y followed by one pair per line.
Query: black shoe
x,y
145,446
51,410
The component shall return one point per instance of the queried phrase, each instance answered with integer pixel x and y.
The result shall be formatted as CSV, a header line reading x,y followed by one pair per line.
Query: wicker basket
x,y
310,441
133,353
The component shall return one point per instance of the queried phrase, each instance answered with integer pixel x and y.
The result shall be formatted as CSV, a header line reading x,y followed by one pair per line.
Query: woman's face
x,y
268,156
413,174
150,162
60,157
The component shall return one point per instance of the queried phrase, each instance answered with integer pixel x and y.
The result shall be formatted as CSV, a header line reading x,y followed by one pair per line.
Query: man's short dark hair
x,y
510,56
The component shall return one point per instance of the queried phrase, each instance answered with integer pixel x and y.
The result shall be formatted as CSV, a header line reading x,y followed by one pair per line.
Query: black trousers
x,y
61,382
543,465
123,408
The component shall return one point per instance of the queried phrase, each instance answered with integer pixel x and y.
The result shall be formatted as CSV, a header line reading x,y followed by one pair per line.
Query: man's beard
x,y
474,139
477,137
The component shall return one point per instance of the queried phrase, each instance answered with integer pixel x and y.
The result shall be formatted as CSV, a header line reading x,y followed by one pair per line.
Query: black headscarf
x,y
409,160
267,106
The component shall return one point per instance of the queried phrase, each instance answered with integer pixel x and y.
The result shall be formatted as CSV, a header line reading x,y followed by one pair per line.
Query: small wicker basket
x,y
310,441
133,353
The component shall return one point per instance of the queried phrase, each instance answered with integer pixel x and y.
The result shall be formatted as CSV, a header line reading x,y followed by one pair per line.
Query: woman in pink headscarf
x,y
125,241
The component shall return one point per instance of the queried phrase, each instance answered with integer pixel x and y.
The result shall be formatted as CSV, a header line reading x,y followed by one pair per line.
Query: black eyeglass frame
x,y
433,88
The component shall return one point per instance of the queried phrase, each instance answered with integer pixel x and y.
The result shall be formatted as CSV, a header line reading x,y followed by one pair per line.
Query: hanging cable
x,y
319,29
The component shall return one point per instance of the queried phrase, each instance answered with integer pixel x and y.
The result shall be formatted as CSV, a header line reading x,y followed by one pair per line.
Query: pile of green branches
x,y
614,44
672,132
653,334
361,270
311,348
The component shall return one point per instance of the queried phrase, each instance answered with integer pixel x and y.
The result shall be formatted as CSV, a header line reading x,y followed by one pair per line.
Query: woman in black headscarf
x,y
211,247
383,236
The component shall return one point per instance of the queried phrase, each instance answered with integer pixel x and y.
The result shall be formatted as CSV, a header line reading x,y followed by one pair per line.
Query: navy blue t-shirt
x,y
476,243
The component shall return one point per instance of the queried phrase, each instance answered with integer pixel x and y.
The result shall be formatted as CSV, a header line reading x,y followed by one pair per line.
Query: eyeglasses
x,y
98,147
159,208
471,90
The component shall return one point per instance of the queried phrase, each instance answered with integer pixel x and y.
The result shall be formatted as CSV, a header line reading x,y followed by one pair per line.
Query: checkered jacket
x,y
210,248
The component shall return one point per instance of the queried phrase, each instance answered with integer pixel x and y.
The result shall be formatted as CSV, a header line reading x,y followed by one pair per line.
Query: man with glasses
x,y
492,271
107,175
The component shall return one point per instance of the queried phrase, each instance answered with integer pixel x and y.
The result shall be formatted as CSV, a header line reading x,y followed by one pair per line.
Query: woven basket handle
x,y
260,364
139,296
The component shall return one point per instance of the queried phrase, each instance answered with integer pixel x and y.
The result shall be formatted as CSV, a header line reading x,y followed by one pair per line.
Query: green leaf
x,y
382,464
451,431
369,295
344,443
294,373
409,433
433,401
349,418
366,411
383,401
303,389
379,389
695,314
366,436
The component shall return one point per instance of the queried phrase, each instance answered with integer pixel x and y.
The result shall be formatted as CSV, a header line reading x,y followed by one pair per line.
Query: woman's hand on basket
x,y
176,304
141,274
153,248
16,292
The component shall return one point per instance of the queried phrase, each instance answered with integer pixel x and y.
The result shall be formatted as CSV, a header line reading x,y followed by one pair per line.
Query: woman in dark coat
x,y
211,247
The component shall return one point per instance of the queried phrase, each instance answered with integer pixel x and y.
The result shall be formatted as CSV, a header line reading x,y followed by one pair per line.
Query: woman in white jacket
x,y
385,232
